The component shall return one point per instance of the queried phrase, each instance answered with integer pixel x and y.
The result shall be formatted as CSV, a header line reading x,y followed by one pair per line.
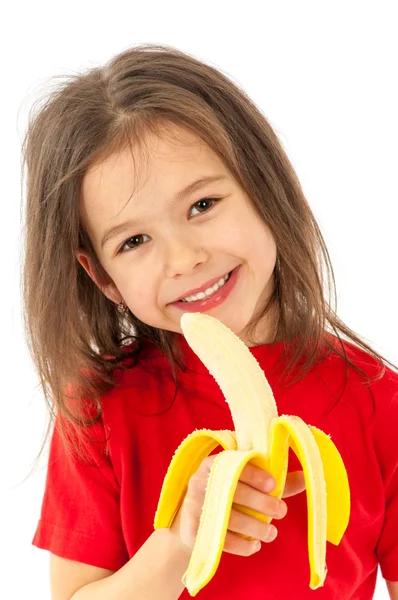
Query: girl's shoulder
x,y
361,382
375,368
140,359
380,390
145,371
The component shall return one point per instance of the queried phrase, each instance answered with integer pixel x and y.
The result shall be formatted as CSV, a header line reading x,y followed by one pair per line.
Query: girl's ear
x,y
106,286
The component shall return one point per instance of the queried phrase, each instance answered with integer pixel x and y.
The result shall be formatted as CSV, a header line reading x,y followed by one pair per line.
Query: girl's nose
x,y
181,257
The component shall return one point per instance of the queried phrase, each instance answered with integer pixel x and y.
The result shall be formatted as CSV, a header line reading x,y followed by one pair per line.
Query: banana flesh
x,y
262,438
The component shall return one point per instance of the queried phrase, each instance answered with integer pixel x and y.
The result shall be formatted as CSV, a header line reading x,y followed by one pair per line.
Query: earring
x,y
122,307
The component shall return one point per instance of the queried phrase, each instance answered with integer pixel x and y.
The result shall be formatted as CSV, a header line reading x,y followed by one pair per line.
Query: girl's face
x,y
166,242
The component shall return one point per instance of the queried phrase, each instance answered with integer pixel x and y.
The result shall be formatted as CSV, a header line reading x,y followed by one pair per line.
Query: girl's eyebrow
x,y
189,189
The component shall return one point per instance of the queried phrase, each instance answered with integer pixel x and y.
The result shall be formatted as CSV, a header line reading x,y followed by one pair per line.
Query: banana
x,y
262,438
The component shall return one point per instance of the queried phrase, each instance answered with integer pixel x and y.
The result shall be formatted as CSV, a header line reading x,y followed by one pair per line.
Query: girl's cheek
x,y
142,292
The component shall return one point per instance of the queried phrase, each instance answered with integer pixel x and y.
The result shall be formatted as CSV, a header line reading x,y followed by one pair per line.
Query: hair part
x,y
75,334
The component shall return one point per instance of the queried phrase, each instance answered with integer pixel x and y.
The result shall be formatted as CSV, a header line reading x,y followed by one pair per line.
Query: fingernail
x,y
257,546
272,533
269,484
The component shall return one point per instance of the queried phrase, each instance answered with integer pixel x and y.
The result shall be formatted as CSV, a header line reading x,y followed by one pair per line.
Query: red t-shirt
x,y
102,515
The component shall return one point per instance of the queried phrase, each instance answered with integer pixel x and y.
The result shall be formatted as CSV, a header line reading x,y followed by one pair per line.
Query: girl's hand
x,y
251,491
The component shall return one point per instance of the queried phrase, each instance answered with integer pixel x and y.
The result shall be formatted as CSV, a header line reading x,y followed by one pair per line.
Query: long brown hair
x,y
75,334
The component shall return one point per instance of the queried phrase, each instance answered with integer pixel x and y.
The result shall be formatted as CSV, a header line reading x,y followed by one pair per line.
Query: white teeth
x,y
207,293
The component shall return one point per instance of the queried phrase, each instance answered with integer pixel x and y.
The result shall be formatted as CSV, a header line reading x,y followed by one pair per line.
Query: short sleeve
x,y
386,445
80,515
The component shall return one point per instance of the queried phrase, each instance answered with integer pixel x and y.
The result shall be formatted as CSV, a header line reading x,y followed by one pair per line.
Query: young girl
x,y
155,186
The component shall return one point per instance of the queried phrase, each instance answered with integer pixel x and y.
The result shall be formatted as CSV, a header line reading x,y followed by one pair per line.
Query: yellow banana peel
x,y
262,438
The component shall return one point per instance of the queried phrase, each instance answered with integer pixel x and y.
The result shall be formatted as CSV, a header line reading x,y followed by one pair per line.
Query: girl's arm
x,y
154,572
392,587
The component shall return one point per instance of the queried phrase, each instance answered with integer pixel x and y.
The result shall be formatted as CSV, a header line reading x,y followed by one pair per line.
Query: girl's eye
x,y
137,240
134,242
203,205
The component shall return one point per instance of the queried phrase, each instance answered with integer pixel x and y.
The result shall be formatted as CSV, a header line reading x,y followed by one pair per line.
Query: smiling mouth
x,y
208,293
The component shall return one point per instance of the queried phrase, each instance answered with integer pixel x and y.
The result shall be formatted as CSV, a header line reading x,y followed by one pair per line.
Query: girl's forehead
x,y
168,151
156,168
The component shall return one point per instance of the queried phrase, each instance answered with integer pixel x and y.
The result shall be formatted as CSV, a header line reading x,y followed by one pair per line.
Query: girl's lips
x,y
215,300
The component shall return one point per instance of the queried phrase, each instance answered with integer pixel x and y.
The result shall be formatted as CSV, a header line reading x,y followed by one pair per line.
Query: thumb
x,y
295,484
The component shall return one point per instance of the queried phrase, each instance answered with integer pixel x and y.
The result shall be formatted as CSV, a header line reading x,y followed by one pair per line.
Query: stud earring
x,y
122,307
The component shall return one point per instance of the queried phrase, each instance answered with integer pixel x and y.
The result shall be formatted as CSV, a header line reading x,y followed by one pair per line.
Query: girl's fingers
x,y
259,501
257,478
251,527
264,482
295,484
235,544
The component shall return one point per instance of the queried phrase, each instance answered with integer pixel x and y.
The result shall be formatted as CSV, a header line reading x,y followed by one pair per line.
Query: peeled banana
x,y
262,438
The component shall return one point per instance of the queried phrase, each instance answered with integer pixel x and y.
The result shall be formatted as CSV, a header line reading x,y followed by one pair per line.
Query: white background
x,y
325,75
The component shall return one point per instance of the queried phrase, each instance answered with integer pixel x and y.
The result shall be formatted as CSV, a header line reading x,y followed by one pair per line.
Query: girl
x,y
155,186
